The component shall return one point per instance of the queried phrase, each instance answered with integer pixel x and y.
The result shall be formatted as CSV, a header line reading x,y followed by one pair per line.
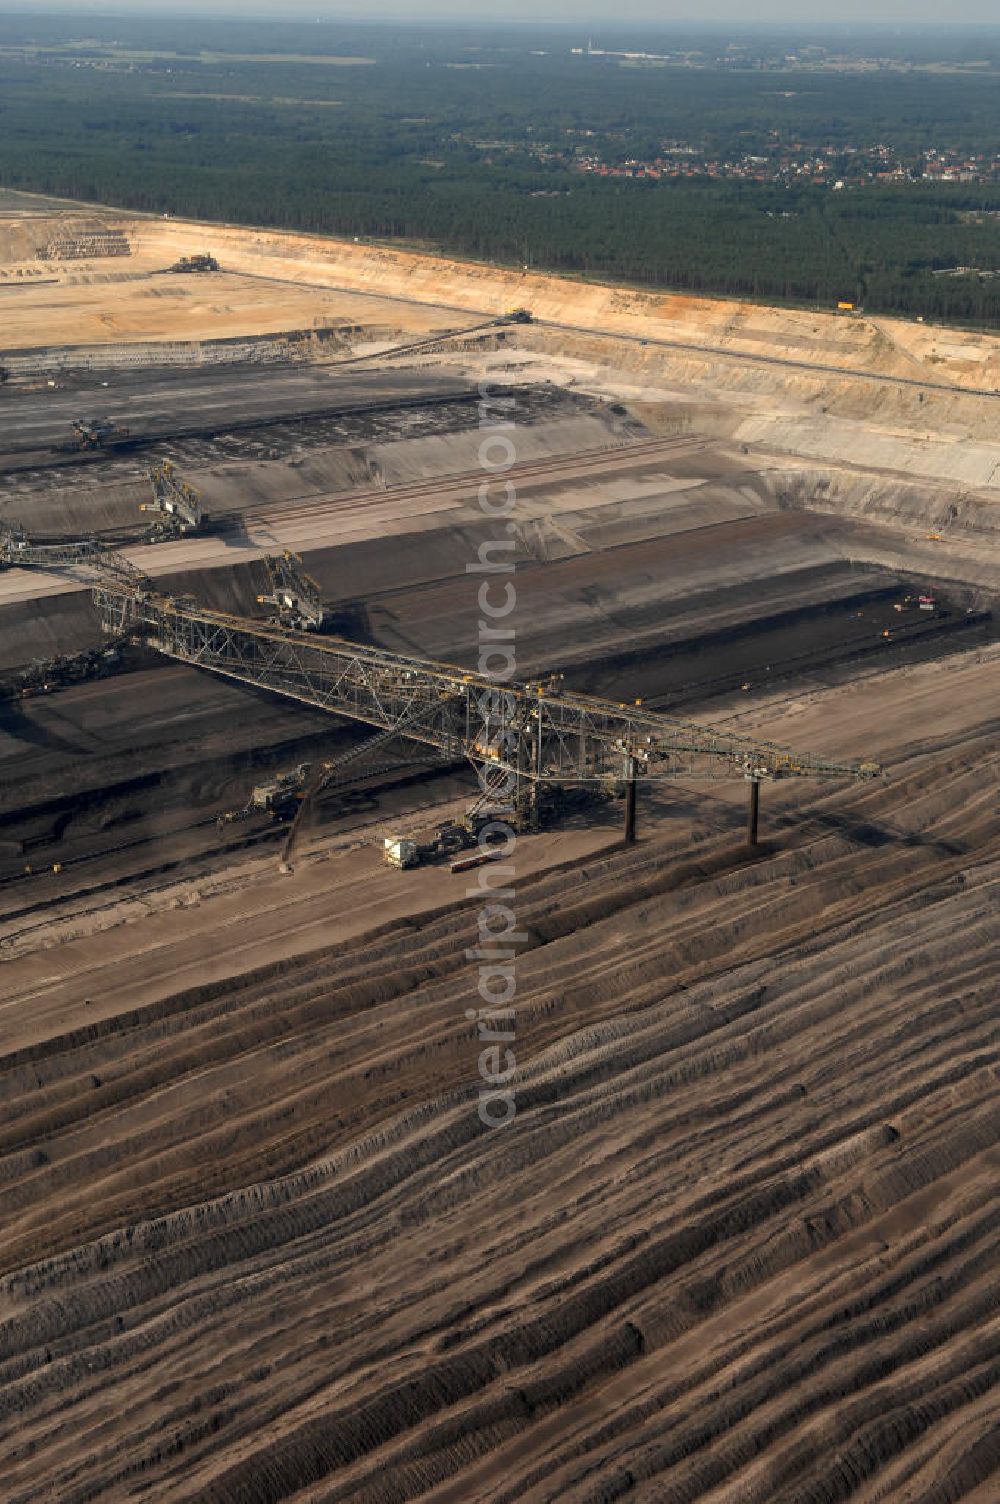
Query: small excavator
x,y
280,797
202,262
97,433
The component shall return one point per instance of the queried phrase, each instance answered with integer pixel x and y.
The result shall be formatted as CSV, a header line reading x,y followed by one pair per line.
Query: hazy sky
x,y
587,12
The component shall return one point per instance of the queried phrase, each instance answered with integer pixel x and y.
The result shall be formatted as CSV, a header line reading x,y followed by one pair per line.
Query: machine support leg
x,y
523,790
630,802
536,785
753,812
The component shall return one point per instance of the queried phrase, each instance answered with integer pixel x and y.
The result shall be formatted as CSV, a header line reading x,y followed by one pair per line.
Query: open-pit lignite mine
x,y
258,1241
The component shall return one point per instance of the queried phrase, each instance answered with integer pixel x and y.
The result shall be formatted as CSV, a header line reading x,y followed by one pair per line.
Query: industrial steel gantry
x,y
519,737
174,502
18,550
295,595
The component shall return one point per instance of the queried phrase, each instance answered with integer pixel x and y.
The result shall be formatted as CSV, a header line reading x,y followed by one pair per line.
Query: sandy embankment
x,y
898,348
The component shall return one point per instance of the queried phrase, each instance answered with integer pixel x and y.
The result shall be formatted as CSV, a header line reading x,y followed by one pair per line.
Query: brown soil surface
x,y
738,1245
739,1241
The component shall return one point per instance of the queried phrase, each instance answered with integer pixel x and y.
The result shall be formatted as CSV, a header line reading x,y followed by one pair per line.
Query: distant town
x,y
797,161
810,57
833,167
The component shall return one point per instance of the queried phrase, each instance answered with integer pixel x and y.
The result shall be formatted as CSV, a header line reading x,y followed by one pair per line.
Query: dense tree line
x,y
467,161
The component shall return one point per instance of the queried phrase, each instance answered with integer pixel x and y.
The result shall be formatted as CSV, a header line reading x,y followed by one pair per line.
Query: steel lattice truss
x,y
18,550
537,733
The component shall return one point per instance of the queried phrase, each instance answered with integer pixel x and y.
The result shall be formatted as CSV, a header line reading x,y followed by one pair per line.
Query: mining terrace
x,y
739,1242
